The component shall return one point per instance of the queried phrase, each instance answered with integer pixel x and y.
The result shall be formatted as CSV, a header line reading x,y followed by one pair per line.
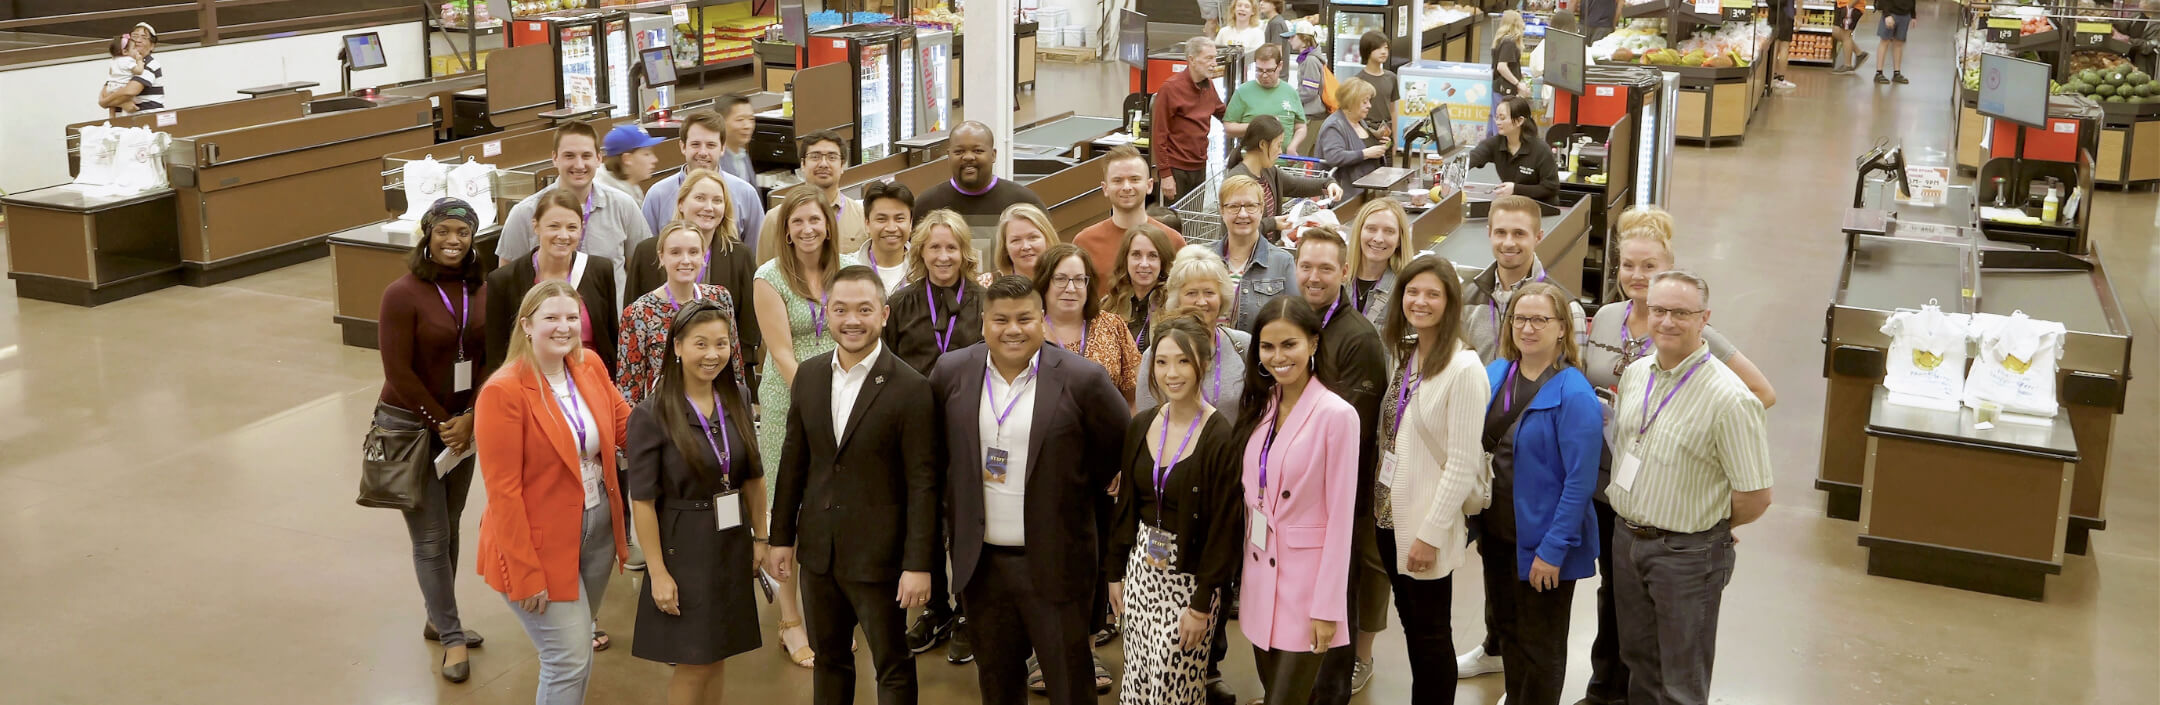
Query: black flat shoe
x,y
472,638
1219,693
458,672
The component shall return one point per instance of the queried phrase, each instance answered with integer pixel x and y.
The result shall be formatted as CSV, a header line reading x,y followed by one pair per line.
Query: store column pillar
x,y
988,45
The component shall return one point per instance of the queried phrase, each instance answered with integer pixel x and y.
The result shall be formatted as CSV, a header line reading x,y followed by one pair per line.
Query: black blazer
x,y
1210,519
506,291
733,271
1078,427
909,334
865,507
1354,365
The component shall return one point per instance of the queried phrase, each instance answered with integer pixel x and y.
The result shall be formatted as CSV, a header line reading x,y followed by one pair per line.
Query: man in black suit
x,y
857,496
1032,435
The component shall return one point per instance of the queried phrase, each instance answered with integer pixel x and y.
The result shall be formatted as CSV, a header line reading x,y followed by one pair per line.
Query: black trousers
x,y
1425,608
1532,626
1367,602
831,609
1186,181
1008,619
1608,674
1289,676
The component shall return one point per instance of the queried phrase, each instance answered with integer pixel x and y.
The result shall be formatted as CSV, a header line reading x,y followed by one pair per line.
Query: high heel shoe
x,y
804,656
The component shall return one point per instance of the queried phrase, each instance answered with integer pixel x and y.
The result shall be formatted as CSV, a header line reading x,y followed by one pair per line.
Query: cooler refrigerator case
x,y
1348,20
618,52
879,53
581,53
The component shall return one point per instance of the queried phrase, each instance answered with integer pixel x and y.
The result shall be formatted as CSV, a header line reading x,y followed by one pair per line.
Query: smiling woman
x,y
1076,323
645,321
559,230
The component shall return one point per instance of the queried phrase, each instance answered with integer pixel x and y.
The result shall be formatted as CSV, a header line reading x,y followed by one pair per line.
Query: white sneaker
x,y
1476,663
1785,85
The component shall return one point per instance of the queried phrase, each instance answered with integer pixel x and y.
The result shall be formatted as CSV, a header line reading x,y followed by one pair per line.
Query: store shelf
x,y
483,30
726,64
664,6
1813,29
1809,62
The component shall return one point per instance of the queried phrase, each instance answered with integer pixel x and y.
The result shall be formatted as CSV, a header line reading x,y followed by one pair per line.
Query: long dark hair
x,y
1262,131
1259,385
1401,338
671,401
1518,108
1191,335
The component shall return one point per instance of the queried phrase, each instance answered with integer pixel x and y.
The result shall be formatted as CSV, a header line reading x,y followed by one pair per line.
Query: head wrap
x,y
447,208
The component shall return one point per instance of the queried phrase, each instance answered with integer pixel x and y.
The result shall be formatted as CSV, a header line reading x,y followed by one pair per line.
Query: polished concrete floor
x,y
176,482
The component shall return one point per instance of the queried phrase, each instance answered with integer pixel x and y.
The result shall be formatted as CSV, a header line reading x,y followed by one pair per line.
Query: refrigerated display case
x,y
585,54
1349,20
879,54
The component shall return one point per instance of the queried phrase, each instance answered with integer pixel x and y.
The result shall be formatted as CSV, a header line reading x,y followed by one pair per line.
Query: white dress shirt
x,y
847,384
1005,504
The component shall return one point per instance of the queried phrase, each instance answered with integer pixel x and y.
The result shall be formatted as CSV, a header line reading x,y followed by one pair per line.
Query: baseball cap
x,y
1300,27
625,139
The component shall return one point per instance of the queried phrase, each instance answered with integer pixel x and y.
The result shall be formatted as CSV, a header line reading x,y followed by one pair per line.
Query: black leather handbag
x,y
394,462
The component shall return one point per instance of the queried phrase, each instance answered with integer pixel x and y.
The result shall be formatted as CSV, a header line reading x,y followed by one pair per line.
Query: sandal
x,y
600,640
802,656
1102,677
1035,680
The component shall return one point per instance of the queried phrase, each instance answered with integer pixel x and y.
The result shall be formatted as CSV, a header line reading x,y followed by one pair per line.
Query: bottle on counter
x,y
2051,209
787,101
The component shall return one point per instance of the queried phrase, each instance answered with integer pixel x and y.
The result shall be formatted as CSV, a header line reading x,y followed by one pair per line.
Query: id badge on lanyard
x,y
1156,547
727,510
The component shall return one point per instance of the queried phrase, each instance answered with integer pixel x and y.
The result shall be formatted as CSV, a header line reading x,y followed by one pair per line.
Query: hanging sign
x,y
1737,10
681,12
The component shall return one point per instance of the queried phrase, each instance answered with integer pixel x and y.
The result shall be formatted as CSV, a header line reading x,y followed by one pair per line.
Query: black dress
x,y
712,568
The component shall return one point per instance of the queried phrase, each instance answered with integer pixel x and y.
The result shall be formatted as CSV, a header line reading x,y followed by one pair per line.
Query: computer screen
x,y
1564,60
1132,39
2014,89
659,66
364,51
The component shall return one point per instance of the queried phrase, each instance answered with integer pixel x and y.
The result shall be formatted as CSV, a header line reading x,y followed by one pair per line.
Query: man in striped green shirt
x,y
1691,460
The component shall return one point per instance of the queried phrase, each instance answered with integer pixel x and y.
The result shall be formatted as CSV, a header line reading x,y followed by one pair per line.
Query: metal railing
x,y
207,30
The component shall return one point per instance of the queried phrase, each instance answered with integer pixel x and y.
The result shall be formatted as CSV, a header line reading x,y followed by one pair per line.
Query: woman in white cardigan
x,y
1432,467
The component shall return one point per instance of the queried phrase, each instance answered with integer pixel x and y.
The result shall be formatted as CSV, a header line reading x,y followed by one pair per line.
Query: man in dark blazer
x,y
857,496
1032,435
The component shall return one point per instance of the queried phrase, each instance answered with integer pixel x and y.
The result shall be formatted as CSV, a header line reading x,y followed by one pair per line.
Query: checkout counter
x,y
1991,510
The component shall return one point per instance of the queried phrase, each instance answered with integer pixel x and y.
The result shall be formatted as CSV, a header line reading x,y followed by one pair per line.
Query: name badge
x,y
1387,469
462,374
727,510
994,466
1623,474
1156,550
1259,531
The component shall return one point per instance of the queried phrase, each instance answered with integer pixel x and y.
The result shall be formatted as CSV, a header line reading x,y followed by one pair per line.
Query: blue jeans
x,y
563,634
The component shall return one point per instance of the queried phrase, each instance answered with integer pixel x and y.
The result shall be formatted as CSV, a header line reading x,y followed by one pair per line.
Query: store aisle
x,y
176,482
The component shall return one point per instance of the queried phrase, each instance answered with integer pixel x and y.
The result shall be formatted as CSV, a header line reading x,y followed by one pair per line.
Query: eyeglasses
x,y
1531,322
1240,207
1678,314
819,157
1065,282
1262,70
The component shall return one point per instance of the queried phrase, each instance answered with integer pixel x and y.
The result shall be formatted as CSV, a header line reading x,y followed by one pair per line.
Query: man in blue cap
x,y
627,159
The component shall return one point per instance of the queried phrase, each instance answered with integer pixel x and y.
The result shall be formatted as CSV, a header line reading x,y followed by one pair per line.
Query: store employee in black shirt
x,y
1518,153
974,192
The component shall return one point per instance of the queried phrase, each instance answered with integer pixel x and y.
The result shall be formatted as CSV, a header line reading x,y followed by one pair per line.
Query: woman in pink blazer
x,y
1300,487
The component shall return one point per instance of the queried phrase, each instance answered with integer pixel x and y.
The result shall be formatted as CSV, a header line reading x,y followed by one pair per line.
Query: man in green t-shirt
x,y
1267,94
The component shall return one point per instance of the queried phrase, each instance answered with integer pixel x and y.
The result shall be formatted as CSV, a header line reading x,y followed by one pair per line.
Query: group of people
x,y
1124,435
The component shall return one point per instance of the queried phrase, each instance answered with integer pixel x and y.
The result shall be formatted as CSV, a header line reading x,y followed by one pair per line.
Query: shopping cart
x,y
1200,214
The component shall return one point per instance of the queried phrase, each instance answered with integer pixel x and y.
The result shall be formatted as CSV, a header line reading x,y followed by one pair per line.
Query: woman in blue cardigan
x,y
1543,430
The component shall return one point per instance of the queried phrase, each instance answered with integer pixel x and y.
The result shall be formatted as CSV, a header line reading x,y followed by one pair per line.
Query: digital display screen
x,y
1564,61
364,51
2014,89
659,66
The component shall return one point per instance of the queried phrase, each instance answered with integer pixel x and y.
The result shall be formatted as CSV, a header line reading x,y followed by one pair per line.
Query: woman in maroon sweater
x,y
432,340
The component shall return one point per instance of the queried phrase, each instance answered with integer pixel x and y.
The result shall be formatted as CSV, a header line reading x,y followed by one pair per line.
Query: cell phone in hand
x,y
765,583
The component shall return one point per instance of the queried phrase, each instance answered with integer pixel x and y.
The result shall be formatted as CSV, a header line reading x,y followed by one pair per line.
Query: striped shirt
x,y
152,78
1486,301
1709,442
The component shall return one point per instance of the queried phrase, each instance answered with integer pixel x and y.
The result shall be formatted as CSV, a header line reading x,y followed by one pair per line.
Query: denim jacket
x,y
1267,276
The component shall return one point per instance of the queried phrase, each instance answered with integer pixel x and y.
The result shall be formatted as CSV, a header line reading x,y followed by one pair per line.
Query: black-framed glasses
x,y
1678,314
1531,322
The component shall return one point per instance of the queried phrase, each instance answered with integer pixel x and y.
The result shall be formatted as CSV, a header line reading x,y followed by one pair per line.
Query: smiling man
x,y
1515,226
1126,183
824,162
612,226
701,148
974,192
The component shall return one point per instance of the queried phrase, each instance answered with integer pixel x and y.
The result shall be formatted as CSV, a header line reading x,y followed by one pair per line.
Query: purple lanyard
x,y
1411,381
464,314
694,295
817,314
1649,417
586,215
1495,303
1163,463
1081,350
573,265
944,341
1507,389
572,412
719,448
986,189
1331,310
1010,403
1626,355
1267,446
1217,399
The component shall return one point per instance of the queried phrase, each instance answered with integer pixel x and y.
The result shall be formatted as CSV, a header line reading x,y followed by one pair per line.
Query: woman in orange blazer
x,y
549,423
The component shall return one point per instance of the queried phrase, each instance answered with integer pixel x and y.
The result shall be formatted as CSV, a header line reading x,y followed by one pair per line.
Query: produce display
x,y
524,8
2119,84
1436,15
940,17
1731,39
458,13
1813,47
1636,37
1817,18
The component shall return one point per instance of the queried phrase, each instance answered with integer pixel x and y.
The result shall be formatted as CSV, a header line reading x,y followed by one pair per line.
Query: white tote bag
x,y
140,161
1927,355
98,146
474,183
2016,364
425,181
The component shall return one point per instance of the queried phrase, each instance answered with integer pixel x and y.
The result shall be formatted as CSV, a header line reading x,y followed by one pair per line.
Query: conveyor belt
x,y
2065,297
1887,274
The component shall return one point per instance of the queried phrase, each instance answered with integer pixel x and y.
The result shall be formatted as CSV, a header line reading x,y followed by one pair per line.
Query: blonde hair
x,y
919,270
1562,317
829,250
1647,223
1235,184
520,352
660,241
1352,91
1034,216
725,236
1230,14
1356,247
1197,262
1509,28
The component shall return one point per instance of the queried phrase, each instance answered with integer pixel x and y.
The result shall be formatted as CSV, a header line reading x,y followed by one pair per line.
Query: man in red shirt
x,y
1126,183
1183,108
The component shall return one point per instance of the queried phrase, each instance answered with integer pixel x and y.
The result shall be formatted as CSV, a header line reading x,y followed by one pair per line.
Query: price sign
x,y
168,119
1737,10
1603,91
2003,30
491,149
1929,184
2091,35
681,13
1706,7
2063,127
